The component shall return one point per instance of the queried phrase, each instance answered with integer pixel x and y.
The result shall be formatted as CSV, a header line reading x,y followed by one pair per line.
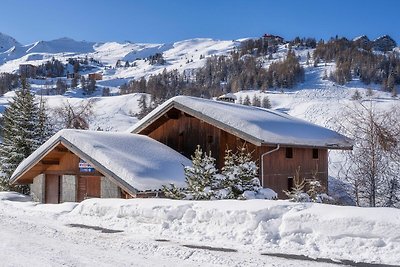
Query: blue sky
x,y
169,20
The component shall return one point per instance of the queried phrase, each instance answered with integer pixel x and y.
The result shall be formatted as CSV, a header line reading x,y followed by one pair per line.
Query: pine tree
x,y
246,101
247,169
25,127
200,177
256,101
144,107
266,103
172,192
239,173
229,177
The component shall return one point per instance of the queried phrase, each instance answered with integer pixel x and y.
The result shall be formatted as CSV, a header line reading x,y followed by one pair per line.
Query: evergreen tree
x,y
200,177
25,127
246,100
256,101
240,174
266,103
172,192
74,81
145,108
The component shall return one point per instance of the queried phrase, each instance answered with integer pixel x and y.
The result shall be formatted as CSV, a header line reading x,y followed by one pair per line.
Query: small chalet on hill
x,y
280,143
75,164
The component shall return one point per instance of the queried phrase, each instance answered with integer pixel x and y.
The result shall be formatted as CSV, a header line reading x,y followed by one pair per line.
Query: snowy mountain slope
x,y
7,42
62,45
179,55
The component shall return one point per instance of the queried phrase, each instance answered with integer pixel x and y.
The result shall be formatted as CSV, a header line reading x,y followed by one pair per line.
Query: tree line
x,y
221,74
356,59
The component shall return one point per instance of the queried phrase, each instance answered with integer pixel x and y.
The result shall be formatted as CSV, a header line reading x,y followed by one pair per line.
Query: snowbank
x,y
315,230
14,196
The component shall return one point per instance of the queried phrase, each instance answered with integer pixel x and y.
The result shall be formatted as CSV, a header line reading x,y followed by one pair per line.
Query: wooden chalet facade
x,y
182,123
75,165
27,70
95,76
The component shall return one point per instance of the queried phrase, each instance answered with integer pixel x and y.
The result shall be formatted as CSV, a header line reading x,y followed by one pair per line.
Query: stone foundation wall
x,y
68,188
109,189
38,188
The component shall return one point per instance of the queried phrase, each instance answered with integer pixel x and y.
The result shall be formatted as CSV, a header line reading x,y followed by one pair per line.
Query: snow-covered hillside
x,y
195,233
182,55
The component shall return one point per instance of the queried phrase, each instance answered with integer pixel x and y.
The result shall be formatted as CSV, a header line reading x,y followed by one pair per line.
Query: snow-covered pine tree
x,y
25,127
266,103
228,178
240,174
200,177
172,192
247,169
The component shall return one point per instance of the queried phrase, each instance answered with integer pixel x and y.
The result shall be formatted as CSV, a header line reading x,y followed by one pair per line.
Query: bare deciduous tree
x,y
75,116
372,167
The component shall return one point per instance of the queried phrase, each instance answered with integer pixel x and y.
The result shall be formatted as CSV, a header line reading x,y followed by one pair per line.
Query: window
x,y
315,153
210,139
289,152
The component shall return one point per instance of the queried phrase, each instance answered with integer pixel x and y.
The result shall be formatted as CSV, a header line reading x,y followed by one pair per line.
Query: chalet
x,y
275,38
95,76
280,143
229,97
27,70
76,164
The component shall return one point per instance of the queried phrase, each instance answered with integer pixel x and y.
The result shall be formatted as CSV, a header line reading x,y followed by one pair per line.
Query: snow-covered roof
x,y
134,161
228,95
256,125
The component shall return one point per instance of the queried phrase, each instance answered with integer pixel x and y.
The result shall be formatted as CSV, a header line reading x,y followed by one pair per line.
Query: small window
x,y
210,139
315,153
289,152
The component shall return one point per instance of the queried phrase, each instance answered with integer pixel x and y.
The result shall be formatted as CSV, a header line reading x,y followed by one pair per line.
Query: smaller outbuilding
x,y
76,164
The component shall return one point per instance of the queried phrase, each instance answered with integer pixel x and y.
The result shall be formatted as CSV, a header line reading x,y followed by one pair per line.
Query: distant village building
x,y
73,75
229,97
27,70
271,37
95,76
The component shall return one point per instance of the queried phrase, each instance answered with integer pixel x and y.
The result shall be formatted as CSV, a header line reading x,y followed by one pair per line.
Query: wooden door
x,y
81,188
88,187
52,189
93,186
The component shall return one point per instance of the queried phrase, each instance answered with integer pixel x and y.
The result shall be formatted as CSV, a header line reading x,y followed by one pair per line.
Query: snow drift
x,y
315,230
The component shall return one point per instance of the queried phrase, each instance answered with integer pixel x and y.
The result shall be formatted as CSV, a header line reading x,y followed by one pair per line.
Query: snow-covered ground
x,y
110,232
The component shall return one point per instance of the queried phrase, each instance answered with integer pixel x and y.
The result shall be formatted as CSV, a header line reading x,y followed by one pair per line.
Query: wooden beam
x,y
61,149
50,162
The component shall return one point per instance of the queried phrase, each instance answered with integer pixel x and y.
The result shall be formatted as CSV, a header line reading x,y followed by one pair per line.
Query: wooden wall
x,y
278,169
183,133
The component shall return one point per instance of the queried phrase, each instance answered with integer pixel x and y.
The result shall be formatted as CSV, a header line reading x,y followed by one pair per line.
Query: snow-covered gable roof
x,y
136,162
256,125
